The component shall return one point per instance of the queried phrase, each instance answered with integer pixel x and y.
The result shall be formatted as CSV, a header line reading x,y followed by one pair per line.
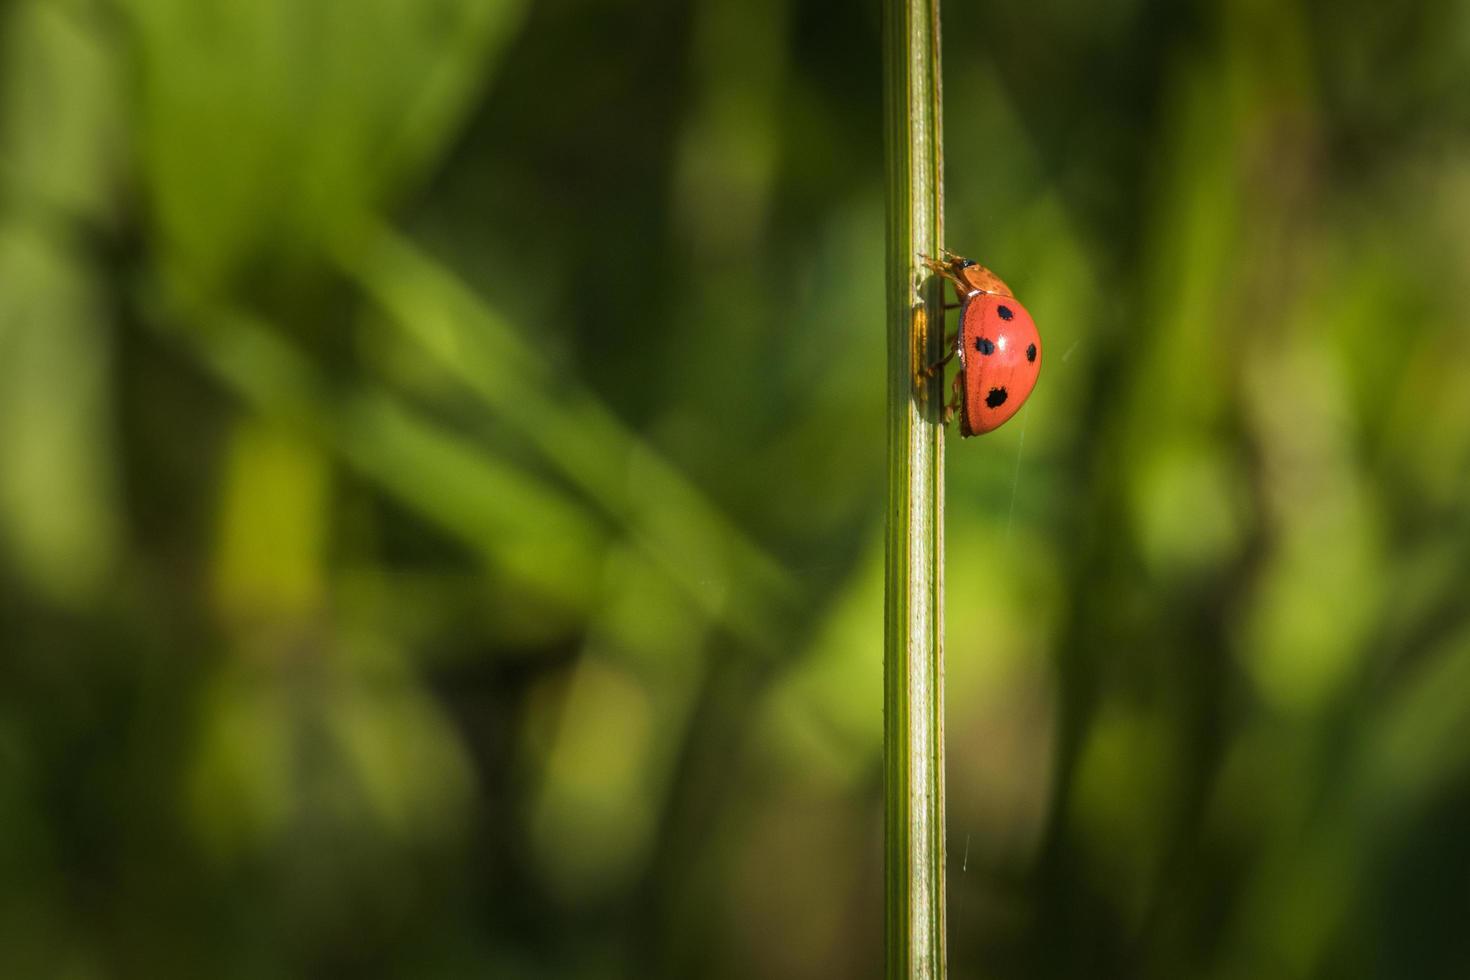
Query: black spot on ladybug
x,y
984,346
996,398
1031,352
1005,312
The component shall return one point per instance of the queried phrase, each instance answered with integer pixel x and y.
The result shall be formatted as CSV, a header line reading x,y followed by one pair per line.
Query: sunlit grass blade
x,y
726,574
524,527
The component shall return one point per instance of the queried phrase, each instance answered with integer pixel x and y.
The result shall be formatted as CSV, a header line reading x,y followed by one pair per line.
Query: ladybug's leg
x,y
961,291
946,270
953,346
938,365
957,386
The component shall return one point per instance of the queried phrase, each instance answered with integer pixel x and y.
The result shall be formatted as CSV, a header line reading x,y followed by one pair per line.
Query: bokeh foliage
x,y
441,483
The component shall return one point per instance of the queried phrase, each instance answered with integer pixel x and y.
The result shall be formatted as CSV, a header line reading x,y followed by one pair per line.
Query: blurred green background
x,y
442,470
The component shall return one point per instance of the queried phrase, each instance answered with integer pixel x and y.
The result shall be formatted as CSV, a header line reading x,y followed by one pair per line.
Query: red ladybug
x,y
997,344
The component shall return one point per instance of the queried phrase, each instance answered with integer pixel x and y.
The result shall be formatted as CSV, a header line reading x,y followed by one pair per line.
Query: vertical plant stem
x,y
913,659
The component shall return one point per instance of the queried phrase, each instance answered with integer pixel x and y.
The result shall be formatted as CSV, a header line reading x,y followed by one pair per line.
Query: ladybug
x,y
997,345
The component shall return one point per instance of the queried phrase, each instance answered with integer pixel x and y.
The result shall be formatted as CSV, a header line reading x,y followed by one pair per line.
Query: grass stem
x,y
913,683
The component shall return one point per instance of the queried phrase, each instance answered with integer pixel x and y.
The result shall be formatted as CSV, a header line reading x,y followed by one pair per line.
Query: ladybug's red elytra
x,y
997,345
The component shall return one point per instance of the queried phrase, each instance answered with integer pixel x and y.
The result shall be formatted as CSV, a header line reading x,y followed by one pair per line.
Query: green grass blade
x,y
728,575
